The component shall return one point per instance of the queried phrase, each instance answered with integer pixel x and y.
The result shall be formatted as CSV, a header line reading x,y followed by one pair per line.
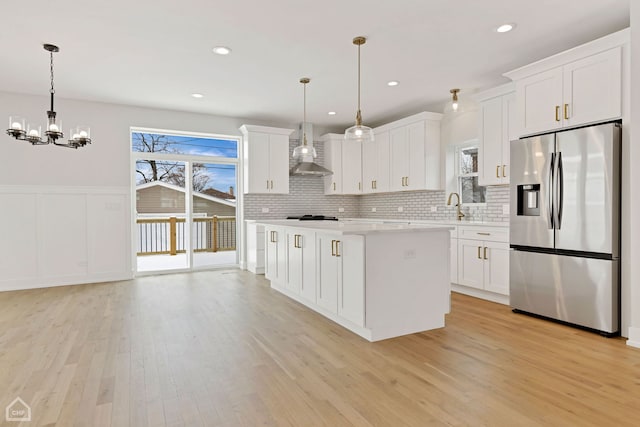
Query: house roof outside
x,y
231,201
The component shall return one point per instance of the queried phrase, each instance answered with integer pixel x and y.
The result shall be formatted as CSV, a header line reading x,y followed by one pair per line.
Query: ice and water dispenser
x,y
529,200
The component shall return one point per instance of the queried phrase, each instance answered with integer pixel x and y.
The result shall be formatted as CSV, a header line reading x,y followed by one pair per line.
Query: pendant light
x,y
32,133
359,132
454,106
304,149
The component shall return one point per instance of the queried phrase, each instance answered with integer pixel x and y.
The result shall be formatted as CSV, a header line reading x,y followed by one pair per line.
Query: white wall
x,y
632,195
65,215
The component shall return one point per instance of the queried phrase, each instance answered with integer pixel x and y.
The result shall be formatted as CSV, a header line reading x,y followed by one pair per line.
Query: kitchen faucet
x,y
460,214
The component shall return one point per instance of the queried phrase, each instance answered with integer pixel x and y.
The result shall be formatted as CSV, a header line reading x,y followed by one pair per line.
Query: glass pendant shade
x,y
359,133
304,150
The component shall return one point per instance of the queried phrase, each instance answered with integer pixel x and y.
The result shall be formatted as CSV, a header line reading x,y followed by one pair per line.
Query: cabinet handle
x,y
295,240
359,186
275,236
504,171
479,248
373,185
334,186
267,184
272,185
566,111
337,247
485,253
498,171
333,248
407,181
557,113
483,234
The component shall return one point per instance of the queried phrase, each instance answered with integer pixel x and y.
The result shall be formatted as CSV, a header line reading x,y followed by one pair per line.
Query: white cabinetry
x,y
255,247
453,257
483,259
275,254
341,276
266,159
497,128
301,259
333,161
580,86
375,164
351,167
414,152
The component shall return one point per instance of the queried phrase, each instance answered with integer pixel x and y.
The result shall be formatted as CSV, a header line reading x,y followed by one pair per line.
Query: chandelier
x,y
80,135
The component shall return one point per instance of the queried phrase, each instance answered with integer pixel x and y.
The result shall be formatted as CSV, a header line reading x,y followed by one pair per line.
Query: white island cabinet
x,y
377,280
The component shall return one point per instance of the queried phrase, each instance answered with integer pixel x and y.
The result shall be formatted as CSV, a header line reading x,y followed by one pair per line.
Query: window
x,y
467,173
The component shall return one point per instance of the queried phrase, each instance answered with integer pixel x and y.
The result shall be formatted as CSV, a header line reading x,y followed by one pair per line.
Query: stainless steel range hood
x,y
306,153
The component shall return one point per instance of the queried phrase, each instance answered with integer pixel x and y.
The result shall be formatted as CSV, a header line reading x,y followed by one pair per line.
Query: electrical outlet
x,y
400,209
265,210
373,209
340,209
505,209
434,209
410,254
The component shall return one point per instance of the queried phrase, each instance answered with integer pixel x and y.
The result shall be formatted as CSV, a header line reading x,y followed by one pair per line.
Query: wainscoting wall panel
x,y
55,236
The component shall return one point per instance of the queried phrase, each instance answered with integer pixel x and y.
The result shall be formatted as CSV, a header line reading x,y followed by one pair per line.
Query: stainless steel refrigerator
x,y
565,226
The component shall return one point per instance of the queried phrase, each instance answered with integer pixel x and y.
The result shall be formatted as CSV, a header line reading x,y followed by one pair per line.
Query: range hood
x,y
305,153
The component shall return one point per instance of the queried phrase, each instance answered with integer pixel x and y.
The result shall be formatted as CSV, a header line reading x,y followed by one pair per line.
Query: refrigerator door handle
x,y
550,193
559,175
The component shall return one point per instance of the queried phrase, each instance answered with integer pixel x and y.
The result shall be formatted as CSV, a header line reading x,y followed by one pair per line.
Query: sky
x,y
221,176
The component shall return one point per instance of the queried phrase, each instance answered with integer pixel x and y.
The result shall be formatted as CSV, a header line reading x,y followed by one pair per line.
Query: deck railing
x,y
167,235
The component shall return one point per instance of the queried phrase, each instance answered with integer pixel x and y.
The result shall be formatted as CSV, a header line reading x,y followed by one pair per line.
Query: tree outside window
x,y
467,174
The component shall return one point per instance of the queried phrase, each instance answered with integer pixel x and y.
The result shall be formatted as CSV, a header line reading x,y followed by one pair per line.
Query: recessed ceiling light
x,y
505,28
221,50
197,95
393,83
332,113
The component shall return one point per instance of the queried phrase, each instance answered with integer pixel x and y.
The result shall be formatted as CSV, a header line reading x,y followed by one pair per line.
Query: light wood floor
x,y
223,349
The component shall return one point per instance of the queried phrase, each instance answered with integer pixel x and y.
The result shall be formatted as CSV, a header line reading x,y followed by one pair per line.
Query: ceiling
x,y
156,53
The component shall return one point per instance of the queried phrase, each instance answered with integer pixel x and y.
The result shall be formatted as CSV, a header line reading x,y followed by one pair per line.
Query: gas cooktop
x,y
313,218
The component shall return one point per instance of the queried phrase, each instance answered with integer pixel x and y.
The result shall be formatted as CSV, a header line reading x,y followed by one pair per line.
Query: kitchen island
x,y
378,280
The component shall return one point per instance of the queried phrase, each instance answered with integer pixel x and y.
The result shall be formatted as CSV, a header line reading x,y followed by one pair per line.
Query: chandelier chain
x,y
52,90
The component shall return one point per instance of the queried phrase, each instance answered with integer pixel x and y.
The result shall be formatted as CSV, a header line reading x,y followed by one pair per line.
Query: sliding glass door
x,y
185,200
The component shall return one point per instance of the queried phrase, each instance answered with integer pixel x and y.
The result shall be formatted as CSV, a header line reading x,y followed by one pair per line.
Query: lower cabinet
x,y
483,259
341,276
275,249
301,260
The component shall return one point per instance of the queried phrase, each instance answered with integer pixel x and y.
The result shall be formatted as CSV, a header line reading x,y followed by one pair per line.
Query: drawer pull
x,y
483,234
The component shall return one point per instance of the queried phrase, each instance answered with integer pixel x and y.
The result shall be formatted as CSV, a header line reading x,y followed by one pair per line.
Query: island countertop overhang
x,y
356,228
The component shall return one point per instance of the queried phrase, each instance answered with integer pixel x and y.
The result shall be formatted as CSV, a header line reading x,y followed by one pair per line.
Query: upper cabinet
x,y
497,127
405,155
351,167
333,161
414,152
576,87
375,164
266,159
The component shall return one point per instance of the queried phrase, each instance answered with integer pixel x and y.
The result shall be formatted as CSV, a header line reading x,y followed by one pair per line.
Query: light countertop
x,y
354,227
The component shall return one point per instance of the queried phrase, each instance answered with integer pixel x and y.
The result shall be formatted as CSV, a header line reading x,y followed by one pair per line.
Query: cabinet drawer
x,y
492,234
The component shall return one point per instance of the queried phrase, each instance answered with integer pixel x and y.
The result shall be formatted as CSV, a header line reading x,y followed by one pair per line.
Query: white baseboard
x,y
37,283
634,337
479,293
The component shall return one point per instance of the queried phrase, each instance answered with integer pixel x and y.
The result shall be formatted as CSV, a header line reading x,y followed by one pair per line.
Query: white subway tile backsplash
x,y
306,196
